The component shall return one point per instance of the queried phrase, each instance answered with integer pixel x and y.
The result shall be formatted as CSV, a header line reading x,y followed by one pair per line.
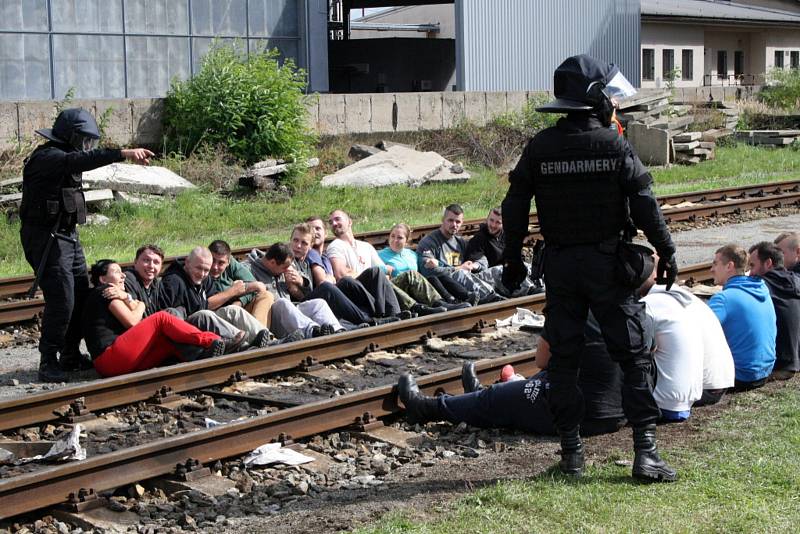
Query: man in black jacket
x,y
789,243
52,205
486,247
766,262
590,188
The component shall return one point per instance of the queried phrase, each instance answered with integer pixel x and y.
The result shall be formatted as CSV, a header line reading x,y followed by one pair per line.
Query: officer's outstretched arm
x,y
79,161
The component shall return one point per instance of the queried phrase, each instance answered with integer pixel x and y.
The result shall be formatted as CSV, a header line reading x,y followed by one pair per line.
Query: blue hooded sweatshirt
x,y
745,310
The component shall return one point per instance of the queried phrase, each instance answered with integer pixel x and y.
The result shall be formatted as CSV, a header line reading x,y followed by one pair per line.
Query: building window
x,y
722,64
687,64
668,64
778,59
648,64
794,59
738,63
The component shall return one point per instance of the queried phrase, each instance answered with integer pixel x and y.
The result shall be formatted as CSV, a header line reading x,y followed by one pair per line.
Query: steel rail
x,y
19,284
691,213
134,387
48,487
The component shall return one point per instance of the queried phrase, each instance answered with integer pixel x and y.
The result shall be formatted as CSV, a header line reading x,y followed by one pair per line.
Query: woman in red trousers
x,y
121,341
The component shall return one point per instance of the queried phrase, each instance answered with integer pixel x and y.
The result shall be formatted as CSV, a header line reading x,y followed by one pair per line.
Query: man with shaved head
x,y
789,243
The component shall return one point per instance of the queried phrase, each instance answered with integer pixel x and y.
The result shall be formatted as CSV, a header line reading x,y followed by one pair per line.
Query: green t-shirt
x,y
235,271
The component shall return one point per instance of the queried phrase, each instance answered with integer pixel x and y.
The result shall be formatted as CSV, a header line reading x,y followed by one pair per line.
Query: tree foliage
x,y
252,105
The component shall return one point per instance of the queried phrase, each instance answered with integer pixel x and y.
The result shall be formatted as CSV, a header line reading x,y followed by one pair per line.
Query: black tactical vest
x,y
579,198
48,193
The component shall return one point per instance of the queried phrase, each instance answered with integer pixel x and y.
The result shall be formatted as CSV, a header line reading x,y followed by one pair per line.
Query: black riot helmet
x,y
75,127
584,83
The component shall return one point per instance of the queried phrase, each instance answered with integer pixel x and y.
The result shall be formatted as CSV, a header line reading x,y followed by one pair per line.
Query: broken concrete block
x,y
711,145
136,179
717,133
651,144
687,137
683,147
451,174
359,152
398,165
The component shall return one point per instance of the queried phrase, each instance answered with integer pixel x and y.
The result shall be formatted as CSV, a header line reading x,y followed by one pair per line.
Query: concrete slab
x,y
136,179
331,114
683,147
357,113
211,486
382,112
398,165
495,104
687,137
651,144
99,519
407,112
9,124
146,121
33,116
118,127
448,174
394,436
431,109
475,107
321,464
516,101
453,108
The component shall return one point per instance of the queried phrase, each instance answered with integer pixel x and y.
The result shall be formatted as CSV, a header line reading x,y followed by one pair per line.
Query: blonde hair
x,y
406,228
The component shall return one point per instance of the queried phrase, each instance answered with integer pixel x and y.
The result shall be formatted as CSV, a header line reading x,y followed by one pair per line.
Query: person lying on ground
x,y
693,363
352,257
313,318
403,260
766,263
187,285
121,340
747,316
523,404
234,285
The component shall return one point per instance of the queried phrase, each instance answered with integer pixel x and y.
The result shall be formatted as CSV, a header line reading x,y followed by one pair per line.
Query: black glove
x,y
514,272
667,270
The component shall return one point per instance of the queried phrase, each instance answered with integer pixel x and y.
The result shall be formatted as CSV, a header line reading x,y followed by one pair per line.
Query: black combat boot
x,y
647,464
469,378
572,459
419,408
50,370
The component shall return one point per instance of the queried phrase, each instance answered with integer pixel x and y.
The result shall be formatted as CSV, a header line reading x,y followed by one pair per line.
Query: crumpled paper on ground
x,y
523,317
274,453
67,448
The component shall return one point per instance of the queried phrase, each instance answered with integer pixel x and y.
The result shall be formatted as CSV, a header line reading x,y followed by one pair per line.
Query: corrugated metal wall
x,y
514,45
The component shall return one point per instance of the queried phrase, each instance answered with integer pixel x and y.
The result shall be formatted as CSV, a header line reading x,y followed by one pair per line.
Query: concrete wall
x,y
138,121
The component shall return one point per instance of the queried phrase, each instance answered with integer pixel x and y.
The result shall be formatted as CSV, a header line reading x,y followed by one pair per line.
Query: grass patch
x,y
201,216
740,476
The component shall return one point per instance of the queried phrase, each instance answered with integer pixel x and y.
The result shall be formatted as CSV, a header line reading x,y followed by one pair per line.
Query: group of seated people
x,y
211,304
747,333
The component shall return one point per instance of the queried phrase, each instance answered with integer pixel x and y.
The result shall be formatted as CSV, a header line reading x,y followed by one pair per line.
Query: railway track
x,y
711,203
47,487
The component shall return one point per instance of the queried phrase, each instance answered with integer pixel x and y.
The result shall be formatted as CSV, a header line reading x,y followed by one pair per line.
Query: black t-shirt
x,y
100,327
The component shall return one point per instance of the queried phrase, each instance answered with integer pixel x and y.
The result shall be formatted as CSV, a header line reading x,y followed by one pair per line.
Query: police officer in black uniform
x,y
52,205
590,188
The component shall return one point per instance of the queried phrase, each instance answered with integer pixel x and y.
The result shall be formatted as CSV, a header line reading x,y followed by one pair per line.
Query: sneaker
x,y
262,339
492,297
297,335
235,343
421,309
405,314
217,348
452,306
50,371
377,321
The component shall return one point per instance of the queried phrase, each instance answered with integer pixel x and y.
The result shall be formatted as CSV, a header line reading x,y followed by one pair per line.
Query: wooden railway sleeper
x,y
309,363
164,395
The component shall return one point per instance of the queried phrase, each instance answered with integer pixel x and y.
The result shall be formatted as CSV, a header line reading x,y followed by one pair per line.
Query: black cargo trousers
x,y
65,284
583,277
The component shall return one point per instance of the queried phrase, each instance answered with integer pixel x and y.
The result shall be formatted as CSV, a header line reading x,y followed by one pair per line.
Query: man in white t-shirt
x,y
352,257
693,361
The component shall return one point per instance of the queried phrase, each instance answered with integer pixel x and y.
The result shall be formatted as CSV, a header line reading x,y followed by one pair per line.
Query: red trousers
x,y
149,343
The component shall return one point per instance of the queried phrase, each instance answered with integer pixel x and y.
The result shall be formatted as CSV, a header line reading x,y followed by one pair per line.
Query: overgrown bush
x,y
251,105
205,166
783,89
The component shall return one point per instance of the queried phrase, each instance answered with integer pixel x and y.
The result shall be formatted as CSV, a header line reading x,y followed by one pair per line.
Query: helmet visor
x,y
83,143
620,87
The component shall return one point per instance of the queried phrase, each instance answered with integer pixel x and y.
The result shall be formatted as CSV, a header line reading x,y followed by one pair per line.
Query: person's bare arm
x,y
340,268
129,314
319,275
237,289
294,284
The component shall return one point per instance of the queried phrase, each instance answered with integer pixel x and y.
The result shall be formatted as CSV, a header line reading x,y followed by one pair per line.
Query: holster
x,y
634,264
